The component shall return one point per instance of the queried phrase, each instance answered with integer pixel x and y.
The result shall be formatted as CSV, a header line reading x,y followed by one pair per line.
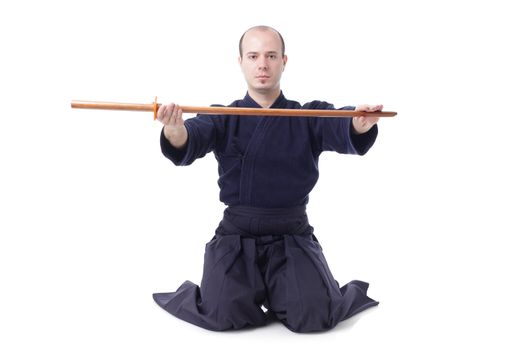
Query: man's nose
x,y
262,63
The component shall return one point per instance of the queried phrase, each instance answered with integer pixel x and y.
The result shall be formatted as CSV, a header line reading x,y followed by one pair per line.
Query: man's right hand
x,y
171,116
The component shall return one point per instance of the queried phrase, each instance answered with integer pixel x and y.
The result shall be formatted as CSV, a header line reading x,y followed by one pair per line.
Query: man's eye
x,y
272,57
252,57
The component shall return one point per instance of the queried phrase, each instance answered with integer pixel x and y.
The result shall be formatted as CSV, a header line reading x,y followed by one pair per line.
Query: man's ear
x,y
240,60
285,59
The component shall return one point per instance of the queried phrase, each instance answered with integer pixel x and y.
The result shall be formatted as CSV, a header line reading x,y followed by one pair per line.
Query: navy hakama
x,y
264,252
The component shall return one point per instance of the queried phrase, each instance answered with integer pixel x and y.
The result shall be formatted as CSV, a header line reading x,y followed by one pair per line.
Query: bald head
x,y
261,29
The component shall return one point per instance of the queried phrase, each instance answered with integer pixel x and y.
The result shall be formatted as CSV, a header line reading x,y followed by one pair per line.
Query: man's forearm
x,y
177,136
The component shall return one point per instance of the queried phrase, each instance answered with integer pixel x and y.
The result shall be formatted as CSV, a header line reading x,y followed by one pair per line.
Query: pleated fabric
x,y
271,258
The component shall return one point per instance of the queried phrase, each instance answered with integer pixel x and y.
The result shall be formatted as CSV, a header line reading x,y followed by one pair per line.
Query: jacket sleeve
x,y
336,134
203,131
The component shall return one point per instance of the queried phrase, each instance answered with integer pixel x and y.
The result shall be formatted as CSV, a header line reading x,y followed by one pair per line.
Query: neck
x,y
265,98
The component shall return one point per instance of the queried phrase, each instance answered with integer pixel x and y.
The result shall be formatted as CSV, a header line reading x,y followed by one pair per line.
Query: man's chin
x,y
263,87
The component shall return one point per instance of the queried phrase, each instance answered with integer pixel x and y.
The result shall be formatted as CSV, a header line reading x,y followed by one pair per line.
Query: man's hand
x,y
171,116
363,124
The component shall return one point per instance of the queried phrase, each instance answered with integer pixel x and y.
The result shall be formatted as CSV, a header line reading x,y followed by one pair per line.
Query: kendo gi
x,y
264,251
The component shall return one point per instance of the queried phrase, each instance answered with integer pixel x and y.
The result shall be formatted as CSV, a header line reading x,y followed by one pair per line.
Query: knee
x,y
310,315
236,314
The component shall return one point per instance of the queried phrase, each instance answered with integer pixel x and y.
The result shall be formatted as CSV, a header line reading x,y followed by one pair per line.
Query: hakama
x,y
265,257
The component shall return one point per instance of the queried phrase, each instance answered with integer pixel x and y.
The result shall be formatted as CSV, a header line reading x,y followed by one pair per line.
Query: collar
x,y
280,102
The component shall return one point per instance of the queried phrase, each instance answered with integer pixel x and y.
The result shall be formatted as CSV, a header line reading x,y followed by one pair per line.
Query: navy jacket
x,y
268,162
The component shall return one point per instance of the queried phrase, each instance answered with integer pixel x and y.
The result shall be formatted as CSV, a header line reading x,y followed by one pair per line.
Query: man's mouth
x,y
262,77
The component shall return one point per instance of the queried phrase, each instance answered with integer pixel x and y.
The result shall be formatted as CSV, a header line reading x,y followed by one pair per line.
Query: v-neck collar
x,y
250,102
255,144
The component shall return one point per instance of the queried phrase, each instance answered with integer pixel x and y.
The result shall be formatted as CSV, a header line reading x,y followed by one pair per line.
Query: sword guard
x,y
155,109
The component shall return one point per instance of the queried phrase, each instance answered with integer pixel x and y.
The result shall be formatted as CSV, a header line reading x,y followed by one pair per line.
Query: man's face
x,y
262,60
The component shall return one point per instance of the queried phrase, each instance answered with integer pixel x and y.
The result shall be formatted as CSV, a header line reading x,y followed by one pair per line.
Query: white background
x,y
94,219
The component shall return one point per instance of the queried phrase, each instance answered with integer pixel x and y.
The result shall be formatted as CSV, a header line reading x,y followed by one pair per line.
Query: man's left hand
x,y
363,124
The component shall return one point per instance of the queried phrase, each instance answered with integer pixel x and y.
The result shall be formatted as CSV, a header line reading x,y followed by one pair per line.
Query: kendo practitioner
x,y
264,252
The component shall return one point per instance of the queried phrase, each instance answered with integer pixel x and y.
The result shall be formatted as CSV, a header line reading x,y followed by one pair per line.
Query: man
x,y
264,252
